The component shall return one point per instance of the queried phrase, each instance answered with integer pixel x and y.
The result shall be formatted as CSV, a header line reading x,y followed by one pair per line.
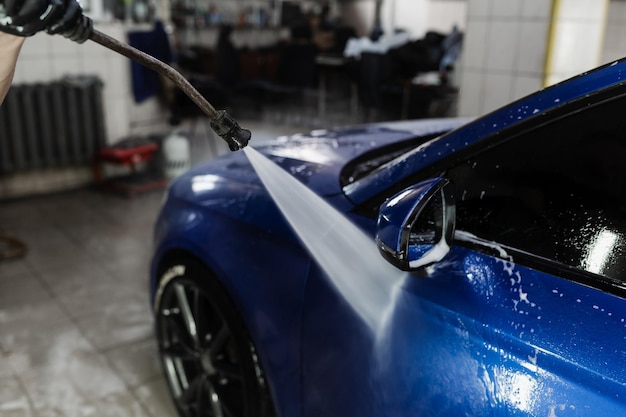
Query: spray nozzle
x,y
228,129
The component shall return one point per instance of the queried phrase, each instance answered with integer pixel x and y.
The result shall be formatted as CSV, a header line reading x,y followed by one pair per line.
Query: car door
x,y
525,315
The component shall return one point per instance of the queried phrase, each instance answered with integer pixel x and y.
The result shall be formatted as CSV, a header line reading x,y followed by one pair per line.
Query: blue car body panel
x,y
225,202
477,335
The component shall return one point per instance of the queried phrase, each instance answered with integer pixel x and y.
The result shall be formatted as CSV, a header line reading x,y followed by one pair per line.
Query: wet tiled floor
x,y
76,330
75,324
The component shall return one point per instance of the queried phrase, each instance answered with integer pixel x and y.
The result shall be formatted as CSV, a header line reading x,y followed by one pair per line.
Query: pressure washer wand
x,y
221,122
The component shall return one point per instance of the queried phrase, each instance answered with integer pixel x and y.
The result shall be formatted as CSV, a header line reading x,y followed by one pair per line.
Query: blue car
x,y
429,268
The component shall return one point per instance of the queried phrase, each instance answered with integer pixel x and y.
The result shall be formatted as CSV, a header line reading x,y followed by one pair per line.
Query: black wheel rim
x,y
200,355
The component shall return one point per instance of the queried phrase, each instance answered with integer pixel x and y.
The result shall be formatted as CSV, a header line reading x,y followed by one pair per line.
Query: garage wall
x,y
45,58
576,38
615,35
410,15
516,47
503,53
359,14
415,16
420,16
444,14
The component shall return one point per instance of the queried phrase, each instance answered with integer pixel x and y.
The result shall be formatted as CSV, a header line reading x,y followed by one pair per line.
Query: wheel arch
x,y
192,269
269,305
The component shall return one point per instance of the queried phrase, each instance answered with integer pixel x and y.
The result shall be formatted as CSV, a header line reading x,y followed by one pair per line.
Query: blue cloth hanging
x,y
145,82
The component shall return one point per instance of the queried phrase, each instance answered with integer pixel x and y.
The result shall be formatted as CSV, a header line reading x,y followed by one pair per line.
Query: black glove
x,y
27,17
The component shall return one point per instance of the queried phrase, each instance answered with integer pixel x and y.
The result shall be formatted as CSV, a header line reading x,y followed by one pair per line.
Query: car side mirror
x,y
416,226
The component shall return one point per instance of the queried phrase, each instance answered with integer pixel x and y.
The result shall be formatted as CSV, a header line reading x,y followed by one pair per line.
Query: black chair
x,y
297,65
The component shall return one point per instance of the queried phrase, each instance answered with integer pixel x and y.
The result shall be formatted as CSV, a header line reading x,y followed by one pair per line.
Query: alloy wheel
x,y
204,359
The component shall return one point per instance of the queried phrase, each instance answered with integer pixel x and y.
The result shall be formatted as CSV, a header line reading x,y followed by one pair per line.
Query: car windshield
x,y
368,162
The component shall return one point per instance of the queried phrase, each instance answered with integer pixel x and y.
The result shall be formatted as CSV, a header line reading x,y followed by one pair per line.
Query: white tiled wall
x,y
43,181
415,16
444,15
410,15
615,36
507,41
503,53
579,27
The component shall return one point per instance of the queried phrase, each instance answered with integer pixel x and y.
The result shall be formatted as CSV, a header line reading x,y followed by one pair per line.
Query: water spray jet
x,y
347,255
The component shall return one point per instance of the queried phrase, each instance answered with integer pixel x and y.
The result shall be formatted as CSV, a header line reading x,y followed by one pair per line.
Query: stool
x,y
128,152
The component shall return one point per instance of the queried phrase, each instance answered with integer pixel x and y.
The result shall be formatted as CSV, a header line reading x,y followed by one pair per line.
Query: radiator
x,y
57,124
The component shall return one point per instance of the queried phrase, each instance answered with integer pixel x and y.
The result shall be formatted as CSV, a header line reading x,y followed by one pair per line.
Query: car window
x,y
556,192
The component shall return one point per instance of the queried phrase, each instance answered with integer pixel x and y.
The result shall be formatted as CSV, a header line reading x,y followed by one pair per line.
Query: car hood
x,y
316,159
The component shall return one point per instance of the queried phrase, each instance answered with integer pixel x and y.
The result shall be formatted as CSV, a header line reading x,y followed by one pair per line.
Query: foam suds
x,y
347,255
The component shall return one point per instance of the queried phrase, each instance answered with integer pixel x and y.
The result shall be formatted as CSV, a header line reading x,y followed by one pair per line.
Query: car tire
x,y
209,362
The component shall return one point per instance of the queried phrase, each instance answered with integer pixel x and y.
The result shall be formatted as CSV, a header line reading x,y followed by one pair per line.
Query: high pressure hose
x,y
221,122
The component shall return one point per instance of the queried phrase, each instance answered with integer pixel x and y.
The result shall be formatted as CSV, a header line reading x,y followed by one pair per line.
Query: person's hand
x,y
27,17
